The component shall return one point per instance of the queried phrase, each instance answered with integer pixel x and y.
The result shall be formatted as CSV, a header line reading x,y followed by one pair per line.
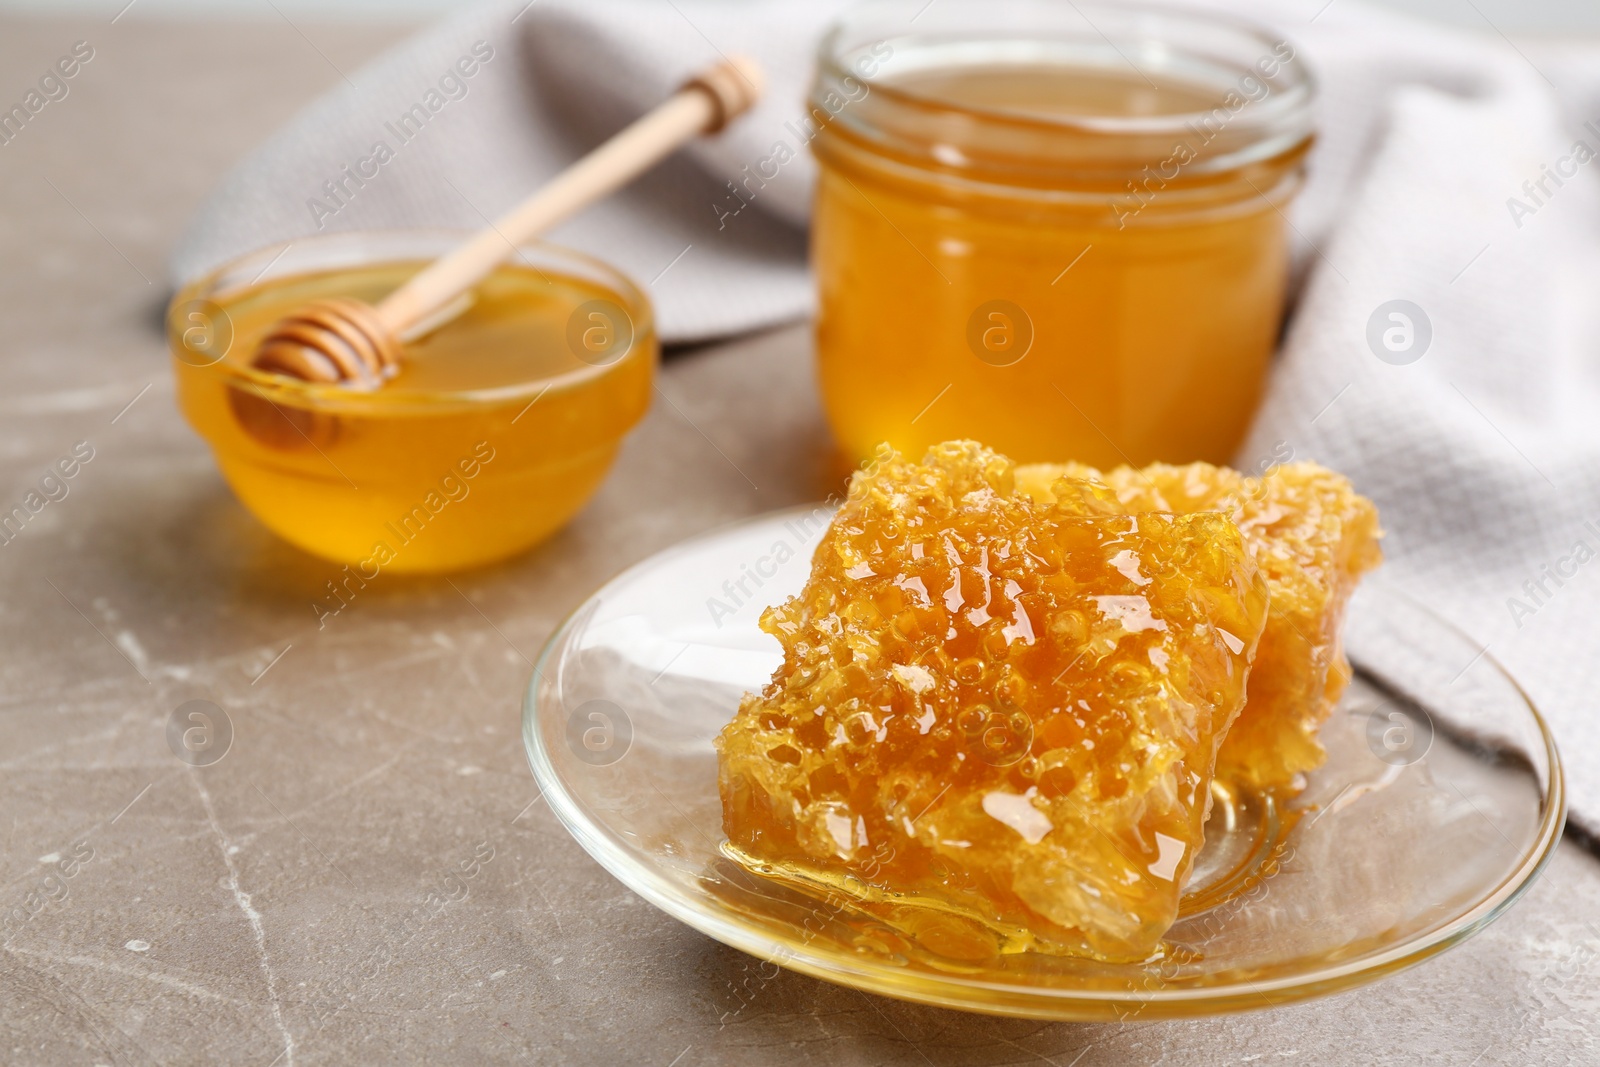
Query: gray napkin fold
x,y
413,140
1431,184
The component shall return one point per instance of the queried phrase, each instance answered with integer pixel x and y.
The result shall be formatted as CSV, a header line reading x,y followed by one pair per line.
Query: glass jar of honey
x,y
1055,228
499,426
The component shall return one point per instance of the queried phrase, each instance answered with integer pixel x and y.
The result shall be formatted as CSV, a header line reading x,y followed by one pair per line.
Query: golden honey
x,y
498,427
997,709
1313,537
1058,229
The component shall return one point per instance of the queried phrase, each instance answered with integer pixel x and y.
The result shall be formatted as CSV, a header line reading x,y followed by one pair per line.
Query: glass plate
x,y
1441,800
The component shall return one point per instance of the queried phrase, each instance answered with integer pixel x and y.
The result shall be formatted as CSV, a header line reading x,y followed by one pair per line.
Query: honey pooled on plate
x,y
1312,536
997,709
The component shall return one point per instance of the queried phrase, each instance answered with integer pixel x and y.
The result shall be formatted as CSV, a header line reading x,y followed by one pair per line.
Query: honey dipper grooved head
x,y
336,341
733,85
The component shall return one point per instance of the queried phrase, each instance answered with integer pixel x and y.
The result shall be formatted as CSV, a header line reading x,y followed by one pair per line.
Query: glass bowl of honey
x,y
499,426
1056,228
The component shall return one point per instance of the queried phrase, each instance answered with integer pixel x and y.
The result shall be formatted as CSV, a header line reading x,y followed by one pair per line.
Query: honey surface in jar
x,y
493,433
1313,537
997,709
1088,298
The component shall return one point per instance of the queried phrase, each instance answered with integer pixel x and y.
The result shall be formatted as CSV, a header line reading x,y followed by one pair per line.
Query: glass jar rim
x,y
1273,115
330,252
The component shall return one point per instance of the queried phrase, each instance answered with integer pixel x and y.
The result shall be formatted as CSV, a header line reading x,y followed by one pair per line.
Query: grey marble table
x,y
272,908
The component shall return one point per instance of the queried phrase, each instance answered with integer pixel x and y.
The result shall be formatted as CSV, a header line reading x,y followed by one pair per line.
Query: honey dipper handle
x,y
705,104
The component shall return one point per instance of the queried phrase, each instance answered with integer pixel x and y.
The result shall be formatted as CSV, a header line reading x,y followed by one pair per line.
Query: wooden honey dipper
x,y
352,343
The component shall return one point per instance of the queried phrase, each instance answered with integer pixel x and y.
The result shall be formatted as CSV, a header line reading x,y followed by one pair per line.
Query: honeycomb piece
x,y
995,708
1312,536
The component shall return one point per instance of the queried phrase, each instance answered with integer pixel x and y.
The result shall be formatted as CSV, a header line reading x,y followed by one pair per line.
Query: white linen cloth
x,y
1430,184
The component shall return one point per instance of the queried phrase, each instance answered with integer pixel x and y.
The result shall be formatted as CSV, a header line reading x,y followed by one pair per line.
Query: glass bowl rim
x,y
614,856
636,303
